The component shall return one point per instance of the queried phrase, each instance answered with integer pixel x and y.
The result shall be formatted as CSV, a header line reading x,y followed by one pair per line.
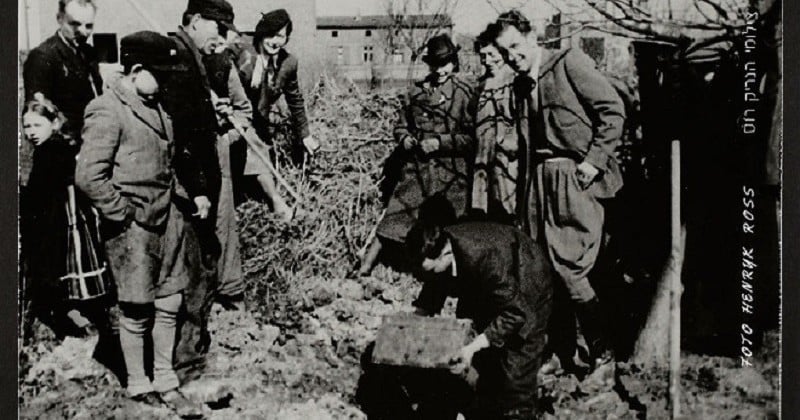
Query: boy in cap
x,y
125,169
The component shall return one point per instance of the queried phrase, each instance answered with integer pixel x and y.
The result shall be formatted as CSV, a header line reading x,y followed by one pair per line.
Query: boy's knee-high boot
x,y
164,325
133,323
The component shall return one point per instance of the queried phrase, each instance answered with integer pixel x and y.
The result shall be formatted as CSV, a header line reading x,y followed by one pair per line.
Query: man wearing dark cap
x,y
125,168
189,101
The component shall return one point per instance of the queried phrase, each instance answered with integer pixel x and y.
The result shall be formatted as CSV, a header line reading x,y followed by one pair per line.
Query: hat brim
x,y
166,68
229,25
440,60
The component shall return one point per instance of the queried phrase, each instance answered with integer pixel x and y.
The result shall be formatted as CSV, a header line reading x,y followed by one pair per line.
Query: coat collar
x,y
68,52
503,78
155,118
281,57
64,41
184,38
549,59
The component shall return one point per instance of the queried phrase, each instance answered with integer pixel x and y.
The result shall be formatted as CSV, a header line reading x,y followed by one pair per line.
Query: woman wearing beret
x,y
268,75
434,133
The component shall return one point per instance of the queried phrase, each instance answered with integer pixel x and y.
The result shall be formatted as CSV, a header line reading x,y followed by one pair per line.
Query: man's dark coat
x,y
504,284
64,75
187,98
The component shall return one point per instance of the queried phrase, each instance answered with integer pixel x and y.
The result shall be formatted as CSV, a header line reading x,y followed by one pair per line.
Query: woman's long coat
x,y
443,112
494,188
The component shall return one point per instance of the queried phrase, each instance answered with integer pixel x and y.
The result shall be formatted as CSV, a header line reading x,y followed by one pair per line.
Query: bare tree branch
x,y
494,6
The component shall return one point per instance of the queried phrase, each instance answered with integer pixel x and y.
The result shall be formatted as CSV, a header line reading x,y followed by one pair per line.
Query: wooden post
x,y
675,286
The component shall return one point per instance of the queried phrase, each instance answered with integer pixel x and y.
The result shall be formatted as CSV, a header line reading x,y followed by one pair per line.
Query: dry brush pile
x,y
341,202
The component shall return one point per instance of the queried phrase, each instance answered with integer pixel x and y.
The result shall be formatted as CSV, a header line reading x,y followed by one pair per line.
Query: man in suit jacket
x,y
503,281
64,69
570,120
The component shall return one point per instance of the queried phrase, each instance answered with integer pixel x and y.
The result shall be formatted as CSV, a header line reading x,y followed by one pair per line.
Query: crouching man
x,y
503,282
125,168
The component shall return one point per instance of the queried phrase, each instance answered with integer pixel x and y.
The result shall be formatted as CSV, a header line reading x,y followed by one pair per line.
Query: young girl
x,y
59,232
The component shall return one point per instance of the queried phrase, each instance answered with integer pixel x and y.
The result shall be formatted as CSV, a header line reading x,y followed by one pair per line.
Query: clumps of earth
x,y
311,371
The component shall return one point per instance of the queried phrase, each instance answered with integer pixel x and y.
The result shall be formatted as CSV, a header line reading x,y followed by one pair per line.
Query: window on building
x,y
368,54
594,47
106,46
368,33
334,34
552,33
340,55
397,57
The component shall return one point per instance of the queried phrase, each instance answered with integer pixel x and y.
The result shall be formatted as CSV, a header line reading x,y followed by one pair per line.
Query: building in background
x,y
377,48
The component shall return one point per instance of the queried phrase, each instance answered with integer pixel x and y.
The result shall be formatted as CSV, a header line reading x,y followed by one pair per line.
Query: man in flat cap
x,y
125,168
188,100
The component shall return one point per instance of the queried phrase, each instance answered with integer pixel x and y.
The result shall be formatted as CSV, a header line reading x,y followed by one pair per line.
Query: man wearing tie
x,y
570,121
64,67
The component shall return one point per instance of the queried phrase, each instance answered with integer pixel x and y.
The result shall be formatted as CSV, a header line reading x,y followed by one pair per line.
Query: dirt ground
x,y
309,368
295,352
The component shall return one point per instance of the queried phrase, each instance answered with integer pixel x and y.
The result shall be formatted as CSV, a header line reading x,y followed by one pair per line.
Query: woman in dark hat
x,y
434,133
268,75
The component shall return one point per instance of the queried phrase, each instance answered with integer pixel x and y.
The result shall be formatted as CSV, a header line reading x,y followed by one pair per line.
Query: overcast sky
x,y
469,16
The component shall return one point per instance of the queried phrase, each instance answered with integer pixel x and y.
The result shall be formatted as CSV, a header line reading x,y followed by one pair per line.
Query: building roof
x,y
383,21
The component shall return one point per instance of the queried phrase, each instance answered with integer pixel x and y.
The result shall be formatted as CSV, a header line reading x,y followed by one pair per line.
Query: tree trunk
x,y
654,346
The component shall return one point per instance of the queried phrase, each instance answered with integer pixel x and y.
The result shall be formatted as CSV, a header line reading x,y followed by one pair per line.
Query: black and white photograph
x,y
400,209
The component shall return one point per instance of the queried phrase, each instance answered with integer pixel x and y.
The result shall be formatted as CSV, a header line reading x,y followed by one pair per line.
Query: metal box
x,y
419,341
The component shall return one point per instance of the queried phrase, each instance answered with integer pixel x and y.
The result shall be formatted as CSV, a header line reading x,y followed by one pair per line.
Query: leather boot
x,y
593,322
